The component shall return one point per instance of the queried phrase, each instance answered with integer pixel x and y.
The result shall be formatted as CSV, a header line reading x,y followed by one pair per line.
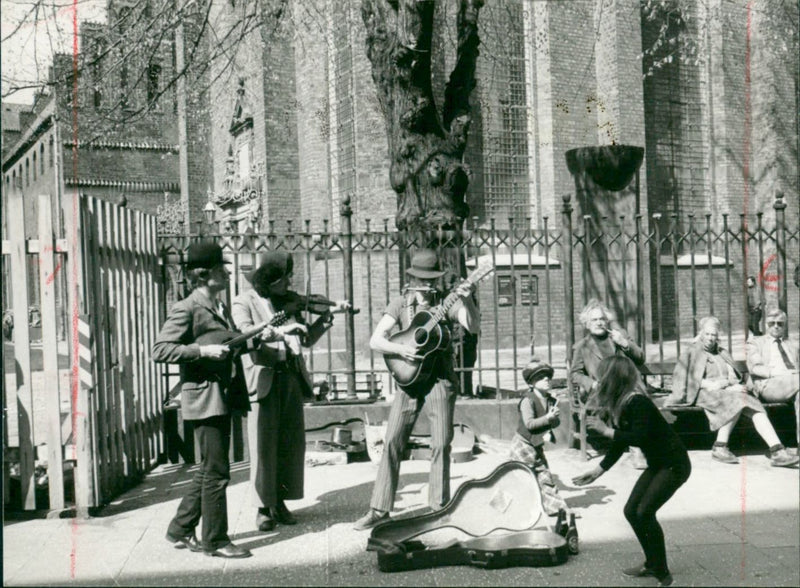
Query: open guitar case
x,y
489,523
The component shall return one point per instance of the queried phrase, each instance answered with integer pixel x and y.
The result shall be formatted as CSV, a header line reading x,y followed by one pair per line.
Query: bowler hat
x,y
425,265
204,254
273,265
535,370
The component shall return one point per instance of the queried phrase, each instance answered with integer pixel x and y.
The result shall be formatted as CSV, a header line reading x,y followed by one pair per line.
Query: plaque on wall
x,y
506,292
529,291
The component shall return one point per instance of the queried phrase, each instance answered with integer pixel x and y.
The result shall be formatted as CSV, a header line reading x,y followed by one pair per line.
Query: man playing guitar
x,y
439,391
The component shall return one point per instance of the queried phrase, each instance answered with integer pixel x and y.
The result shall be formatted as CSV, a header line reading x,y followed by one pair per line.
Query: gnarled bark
x,y
426,146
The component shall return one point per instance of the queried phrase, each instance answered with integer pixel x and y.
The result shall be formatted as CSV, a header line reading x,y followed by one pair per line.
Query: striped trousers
x,y
441,403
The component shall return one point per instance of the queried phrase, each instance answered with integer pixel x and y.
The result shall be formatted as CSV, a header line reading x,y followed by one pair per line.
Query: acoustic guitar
x,y
427,332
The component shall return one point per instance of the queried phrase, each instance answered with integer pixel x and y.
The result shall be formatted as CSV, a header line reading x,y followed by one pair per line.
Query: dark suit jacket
x,y
586,357
689,372
208,388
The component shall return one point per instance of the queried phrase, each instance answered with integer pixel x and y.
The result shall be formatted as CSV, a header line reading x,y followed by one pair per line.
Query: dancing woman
x,y
638,422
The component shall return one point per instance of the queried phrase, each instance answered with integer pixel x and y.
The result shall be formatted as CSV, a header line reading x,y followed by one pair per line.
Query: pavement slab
x,y
728,525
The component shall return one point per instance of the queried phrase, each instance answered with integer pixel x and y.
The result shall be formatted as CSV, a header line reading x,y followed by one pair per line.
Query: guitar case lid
x,y
488,523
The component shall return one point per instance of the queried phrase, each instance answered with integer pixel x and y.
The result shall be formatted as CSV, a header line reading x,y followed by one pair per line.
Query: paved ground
x,y
729,525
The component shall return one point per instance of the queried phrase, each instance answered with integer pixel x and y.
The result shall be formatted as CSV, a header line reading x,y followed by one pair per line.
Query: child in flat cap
x,y
538,415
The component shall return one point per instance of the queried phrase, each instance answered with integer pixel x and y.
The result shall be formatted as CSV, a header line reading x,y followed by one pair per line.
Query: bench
x,y
690,422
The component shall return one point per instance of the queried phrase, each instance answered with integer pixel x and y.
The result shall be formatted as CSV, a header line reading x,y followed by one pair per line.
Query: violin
x,y
294,303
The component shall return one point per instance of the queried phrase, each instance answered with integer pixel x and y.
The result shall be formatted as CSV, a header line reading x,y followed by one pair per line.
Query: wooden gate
x,y
90,405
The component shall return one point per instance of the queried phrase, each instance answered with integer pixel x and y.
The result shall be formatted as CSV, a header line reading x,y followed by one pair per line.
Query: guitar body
x,y
431,337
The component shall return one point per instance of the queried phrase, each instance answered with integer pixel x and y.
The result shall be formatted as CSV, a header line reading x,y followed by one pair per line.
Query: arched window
x,y
51,150
14,179
27,172
34,165
41,158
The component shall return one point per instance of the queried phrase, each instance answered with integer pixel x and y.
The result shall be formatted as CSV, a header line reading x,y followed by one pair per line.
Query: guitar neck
x,y
476,276
277,320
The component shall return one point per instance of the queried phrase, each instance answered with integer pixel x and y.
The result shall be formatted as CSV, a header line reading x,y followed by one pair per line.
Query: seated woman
x,y
705,376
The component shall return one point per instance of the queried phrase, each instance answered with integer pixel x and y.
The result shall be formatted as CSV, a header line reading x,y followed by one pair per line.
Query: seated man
x,y
705,376
773,361
601,341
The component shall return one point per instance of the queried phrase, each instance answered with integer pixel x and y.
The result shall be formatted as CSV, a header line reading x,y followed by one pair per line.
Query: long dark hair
x,y
276,267
618,379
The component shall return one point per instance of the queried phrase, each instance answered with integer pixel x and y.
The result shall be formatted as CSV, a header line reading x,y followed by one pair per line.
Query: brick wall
x,y
313,115
280,128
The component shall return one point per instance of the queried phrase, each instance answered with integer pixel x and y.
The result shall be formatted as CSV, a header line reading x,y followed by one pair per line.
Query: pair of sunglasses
x,y
774,323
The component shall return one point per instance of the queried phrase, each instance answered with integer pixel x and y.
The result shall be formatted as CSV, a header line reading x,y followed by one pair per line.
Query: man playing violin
x,y
211,387
439,393
278,382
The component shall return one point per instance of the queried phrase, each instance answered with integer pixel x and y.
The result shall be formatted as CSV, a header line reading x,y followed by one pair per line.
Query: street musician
x,y
438,390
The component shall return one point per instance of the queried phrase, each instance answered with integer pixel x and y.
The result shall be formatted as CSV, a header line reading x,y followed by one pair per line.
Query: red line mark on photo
x,y
769,280
51,278
73,556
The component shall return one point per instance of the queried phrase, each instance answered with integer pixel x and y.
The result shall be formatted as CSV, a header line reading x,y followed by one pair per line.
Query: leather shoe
x,y
666,580
264,520
369,520
282,514
723,454
782,458
189,542
641,571
230,551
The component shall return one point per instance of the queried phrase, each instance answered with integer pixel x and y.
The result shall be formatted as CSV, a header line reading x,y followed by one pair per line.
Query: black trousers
x,y
653,488
206,494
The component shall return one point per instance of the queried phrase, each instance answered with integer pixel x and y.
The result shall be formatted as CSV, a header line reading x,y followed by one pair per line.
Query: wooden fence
x,y
91,407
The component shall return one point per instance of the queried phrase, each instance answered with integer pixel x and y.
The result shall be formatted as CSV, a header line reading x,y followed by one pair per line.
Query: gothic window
x,y
34,166
123,82
153,78
41,159
27,172
243,157
52,151
97,74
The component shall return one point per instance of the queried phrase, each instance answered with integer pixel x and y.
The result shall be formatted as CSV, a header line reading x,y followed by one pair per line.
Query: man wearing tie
x,y
773,361
211,386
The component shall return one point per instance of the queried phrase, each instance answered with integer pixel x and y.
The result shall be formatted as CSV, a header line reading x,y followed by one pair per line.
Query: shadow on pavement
x,y
343,506
164,484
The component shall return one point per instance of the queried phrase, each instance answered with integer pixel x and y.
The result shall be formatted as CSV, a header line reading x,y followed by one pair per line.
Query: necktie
x,y
784,355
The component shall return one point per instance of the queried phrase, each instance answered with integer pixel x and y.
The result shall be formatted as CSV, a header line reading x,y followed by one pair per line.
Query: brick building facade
x,y
291,125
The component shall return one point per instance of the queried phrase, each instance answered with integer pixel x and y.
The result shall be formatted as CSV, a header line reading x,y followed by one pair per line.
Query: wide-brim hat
x,y
272,266
425,265
204,254
536,370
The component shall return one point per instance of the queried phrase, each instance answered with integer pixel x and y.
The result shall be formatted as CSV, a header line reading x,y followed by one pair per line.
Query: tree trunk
x,y
426,147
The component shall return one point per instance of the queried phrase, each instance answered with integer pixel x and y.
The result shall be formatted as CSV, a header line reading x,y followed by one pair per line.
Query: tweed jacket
x,y
248,310
206,390
587,355
759,355
688,374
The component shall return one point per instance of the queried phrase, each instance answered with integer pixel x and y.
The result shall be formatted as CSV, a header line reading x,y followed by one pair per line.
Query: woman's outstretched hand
x,y
596,424
588,477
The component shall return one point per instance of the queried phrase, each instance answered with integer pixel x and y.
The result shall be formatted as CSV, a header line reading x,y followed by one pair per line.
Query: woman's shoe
x,y
264,521
282,514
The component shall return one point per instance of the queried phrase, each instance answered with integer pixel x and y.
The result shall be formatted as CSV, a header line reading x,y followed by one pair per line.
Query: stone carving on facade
x,y
242,188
